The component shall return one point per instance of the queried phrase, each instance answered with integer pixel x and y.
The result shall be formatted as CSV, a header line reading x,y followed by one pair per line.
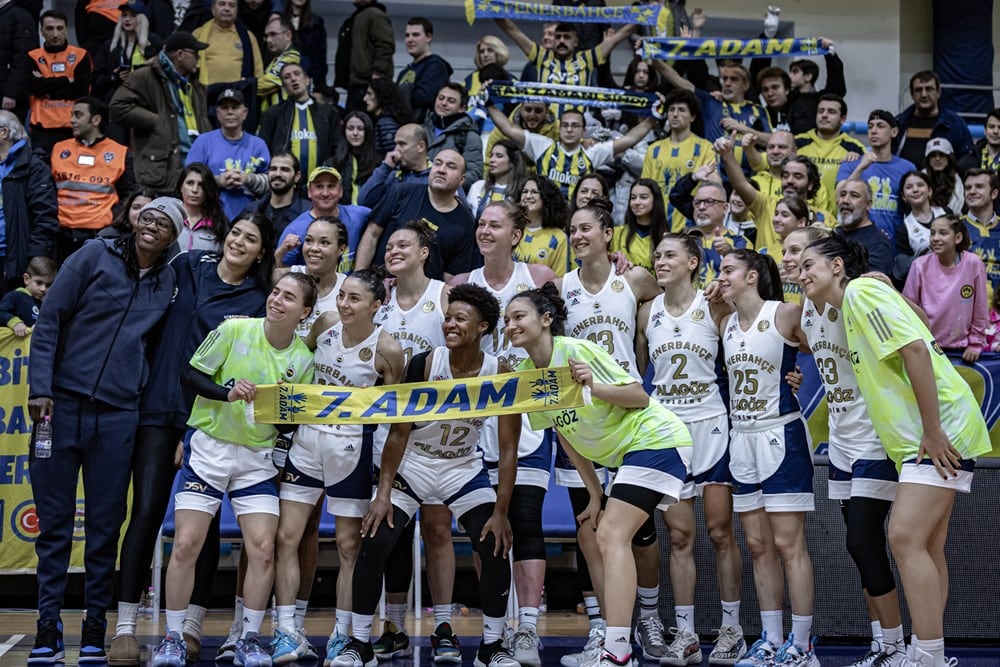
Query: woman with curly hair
x,y
544,240
205,223
356,155
388,108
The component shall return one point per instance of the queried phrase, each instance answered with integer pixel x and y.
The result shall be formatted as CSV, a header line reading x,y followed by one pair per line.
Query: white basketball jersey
x,y
758,360
449,438
684,351
852,435
323,304
606,318
497,344
343,366
419,328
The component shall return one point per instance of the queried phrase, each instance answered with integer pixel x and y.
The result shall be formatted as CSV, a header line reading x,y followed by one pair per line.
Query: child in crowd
x,y
19,309
950,285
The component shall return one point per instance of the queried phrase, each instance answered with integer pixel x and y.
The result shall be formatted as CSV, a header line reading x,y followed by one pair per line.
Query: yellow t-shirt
x,y
222,61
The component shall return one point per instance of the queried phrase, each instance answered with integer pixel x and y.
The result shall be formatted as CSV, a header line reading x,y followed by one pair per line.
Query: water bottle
x,y
43,438
146,604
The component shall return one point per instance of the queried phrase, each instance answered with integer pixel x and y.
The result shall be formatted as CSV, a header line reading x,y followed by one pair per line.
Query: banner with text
x,y
652,15
639,103
700,48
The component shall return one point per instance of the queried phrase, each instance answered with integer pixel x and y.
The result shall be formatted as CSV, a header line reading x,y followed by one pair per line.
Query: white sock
x,y
593,608
442,614
771,621
933,648
361,624
252,618
802,631
238,610
127,614
286,618
892,639
684,617
649,600
731,614
300,613
396,612
617,642
343,625
195,616
175,620
492,628
527,617
876,630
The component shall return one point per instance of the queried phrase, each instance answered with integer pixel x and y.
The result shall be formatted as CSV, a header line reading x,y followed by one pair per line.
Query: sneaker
x,y
790,655
287,647
124,651
392,644
92,640
355,654
649,637
444,645
894,659
228,649
49,648
685,649
761,654
917,658
605,659
334,645
591,650
250,652
171,652
526,644
508,635
729,647
310,651
193,648
494,654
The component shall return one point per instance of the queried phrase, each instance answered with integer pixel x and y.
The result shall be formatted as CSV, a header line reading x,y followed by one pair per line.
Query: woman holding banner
x,y
620,427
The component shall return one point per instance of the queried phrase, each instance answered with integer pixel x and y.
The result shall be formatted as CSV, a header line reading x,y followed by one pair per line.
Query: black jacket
x,y
18,35
276,128
30,215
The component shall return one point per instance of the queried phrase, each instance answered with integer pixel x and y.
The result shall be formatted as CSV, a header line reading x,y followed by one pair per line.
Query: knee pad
x,y
646,535
525,514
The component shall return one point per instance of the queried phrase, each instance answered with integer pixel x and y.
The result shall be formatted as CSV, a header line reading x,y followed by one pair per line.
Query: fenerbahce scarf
x,y
651,15
641,104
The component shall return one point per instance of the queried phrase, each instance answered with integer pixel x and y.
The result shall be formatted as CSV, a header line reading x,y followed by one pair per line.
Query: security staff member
x,y
60,74
92,173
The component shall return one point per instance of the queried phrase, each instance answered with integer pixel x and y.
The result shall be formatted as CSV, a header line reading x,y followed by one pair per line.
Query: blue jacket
x,y
384,178
90,336
202,302
949,126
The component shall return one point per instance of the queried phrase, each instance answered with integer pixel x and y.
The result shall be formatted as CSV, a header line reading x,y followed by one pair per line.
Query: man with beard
x,y
407,163
882,171
284,204
710,205
767,171
854,201
448,126
925,120
825,144
533,117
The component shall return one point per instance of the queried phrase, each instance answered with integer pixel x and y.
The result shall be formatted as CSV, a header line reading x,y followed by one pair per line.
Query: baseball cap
x,y
230,95
882,114
939,145
319,171
137,6
181,39
170,207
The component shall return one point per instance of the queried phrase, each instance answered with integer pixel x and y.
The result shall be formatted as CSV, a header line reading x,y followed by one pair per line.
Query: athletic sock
x,y
492,628
343,623
617,642
933,648
238,610
593,608
649,601
127,614
361,626
801,631
442,614
193,621
892,639
527,617
396,612
771,621
252,618
877,636
300,613
684,617
286,618
175,620
731,614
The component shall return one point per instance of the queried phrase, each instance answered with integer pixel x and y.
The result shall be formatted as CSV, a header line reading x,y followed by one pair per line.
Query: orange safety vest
x,y
45,111
109,9
85,178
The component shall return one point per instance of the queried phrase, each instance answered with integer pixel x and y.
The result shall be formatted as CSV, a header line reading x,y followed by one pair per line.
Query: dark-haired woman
x,y
770,451
926,416
126,222
389,108
947,190
87,372
620,427
205,223
505,174
356,156
589,186
210,289
645,223
544,240
311,38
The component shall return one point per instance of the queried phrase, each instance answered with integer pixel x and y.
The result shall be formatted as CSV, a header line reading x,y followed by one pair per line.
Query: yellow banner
x,y
508,393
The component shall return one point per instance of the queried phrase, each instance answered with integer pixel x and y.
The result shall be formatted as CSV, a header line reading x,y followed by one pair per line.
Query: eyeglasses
x,y
162,224
708,201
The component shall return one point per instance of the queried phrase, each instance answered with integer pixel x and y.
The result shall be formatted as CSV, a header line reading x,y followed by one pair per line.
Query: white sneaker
x,y
875,652
649,637
895,659
685,649
590,651
228,649
790,655
918,658
729,647
526,644
761,654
